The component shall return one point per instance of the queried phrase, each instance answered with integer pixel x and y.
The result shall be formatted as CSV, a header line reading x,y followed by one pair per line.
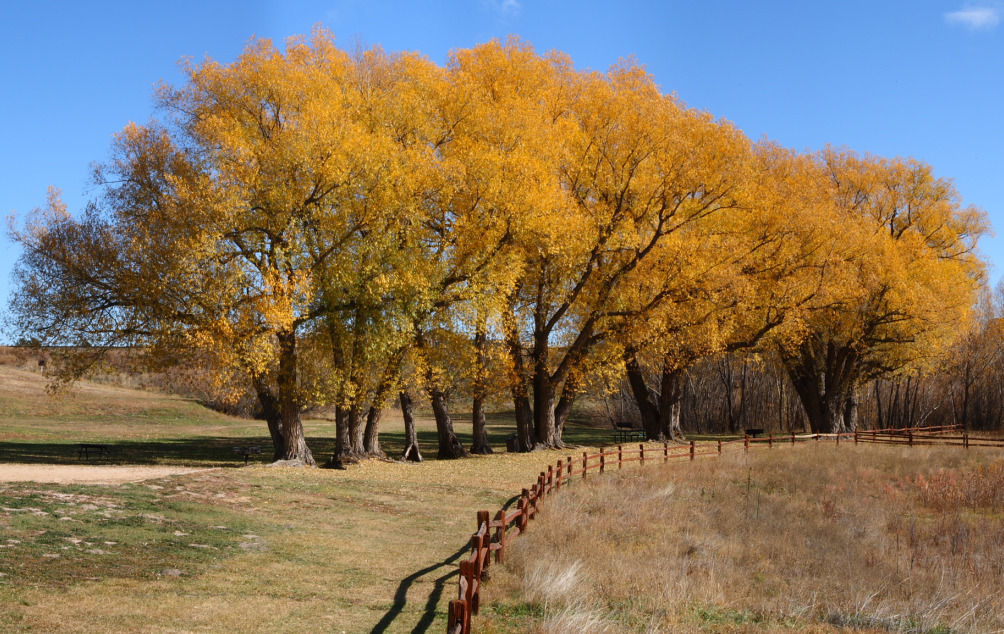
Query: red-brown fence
x,y
494,533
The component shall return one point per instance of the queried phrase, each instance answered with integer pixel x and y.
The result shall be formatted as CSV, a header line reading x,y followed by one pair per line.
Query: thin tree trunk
x,y
411,451
519,388
479,421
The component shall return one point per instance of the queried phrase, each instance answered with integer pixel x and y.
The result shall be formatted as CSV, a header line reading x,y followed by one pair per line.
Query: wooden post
x,y
620,456
910,433
641,452
770,439
485,518
550,479
468,571
585,462
965,439
838,439
792,439
500,531
719,445
561,470
665,452
855,436
456,615
603,459
692,447
569,463
524,507
746,442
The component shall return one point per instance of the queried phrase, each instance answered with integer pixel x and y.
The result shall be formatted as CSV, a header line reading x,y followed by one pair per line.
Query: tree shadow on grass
x,y
432,602
206,451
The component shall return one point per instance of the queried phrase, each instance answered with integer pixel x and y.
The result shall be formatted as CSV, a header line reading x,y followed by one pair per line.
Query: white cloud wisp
x,y
975,18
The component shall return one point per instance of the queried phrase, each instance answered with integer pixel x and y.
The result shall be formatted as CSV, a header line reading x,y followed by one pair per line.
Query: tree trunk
x,y
479,444
270,412
823,375
371,439
480,423
564,408
520,392
851,411
343,440
670,401
411,451
294,445
544,420
356,428
449,445
644,396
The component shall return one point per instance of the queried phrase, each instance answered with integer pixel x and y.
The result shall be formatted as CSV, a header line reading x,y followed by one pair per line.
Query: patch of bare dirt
x,y
87,474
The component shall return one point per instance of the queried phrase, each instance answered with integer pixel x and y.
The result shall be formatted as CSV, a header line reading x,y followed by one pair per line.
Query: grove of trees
x,y
355,229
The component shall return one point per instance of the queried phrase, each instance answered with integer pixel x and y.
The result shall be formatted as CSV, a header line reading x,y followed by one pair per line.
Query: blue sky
x,y
891,77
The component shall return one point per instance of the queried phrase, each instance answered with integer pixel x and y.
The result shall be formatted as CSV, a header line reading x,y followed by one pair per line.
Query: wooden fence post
x,y
665,452
467,570
482,543
910,434
855,436
792,439
603,459
746,442
770,439
550,479
524,507
456,615
561,470
641,452
500,531
692,447
569,463
585,462
965,438
620,456
719,445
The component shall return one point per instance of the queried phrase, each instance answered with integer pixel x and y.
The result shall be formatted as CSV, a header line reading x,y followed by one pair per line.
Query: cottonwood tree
x,y
898,282
735,278
206,220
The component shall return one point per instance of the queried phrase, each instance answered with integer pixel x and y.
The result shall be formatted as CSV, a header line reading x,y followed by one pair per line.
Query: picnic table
x,y
247,452
87,449
627,433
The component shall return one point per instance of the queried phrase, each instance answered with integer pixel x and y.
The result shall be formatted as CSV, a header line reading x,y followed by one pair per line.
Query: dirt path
x,y
86,474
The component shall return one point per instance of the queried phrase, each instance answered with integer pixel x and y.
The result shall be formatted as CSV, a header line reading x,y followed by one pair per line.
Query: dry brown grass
x,y
813,538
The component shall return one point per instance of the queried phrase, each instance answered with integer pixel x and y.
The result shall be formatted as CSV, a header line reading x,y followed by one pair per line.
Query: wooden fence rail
x,y
493,534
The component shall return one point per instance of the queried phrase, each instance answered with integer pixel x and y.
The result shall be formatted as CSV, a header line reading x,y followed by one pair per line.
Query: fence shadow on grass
x,y
401,595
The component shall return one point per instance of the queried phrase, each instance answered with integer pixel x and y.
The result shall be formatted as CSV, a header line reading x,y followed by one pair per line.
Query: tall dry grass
x,y
812,538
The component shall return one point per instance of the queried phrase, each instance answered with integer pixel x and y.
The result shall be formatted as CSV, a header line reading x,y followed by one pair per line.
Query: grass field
x,y
372,548
813,538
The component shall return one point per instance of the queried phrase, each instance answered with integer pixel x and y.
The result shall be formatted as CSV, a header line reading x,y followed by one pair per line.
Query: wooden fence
x,y
493,533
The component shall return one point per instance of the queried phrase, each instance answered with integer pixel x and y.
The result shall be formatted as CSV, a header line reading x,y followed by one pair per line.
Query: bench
x,y
753,433
85,450
247,452
627,433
